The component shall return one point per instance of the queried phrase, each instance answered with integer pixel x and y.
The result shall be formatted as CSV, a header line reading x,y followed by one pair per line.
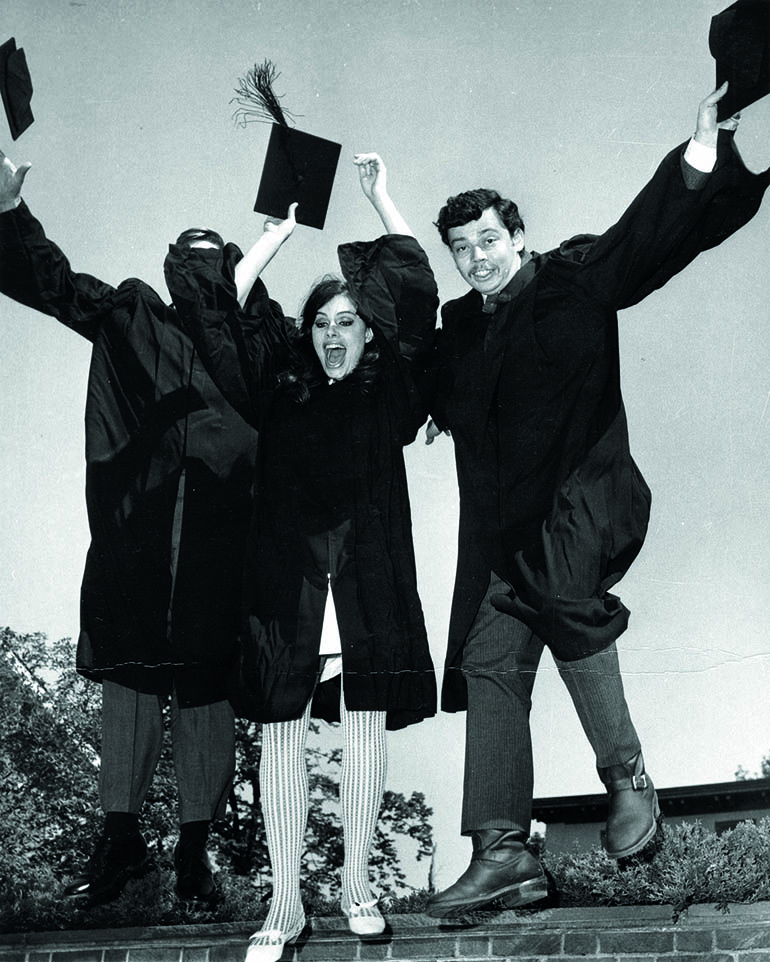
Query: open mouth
x,y
483,275
334,355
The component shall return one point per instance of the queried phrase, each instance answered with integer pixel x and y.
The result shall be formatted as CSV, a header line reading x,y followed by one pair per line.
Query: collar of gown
x,y
522,276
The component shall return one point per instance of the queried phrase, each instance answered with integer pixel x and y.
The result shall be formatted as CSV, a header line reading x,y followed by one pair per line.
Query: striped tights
x,y
284,790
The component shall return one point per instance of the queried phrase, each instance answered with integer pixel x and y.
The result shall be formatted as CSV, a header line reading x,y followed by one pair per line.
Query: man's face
x,y
485,254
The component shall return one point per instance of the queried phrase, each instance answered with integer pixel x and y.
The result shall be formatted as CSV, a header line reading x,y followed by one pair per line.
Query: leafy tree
x,y
49,805
46,806
744,775
241,839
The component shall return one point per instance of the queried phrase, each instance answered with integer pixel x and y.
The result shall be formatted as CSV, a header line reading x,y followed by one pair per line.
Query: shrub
x,y
687,864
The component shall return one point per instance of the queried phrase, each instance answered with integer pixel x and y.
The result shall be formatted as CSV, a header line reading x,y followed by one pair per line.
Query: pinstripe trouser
x,y
500,661
202,744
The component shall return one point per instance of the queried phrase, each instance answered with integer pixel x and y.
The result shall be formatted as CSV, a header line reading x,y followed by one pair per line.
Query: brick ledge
x,y
742,934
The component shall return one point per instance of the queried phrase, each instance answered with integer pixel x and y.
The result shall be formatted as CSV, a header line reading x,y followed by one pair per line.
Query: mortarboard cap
x,y
739,40
15,88
298,167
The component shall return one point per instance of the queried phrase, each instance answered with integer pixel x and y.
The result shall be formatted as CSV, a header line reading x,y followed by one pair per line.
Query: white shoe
x,y
267,945
364,918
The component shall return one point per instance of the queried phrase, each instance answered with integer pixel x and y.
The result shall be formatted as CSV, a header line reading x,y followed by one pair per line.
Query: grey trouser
x,y
202,738
500,660
202,744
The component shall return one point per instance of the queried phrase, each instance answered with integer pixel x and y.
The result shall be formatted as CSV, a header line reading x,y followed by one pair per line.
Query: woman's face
x,y
339,337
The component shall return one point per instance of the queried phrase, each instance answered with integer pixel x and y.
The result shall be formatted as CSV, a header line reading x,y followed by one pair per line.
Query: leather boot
x,y
633,811
501,868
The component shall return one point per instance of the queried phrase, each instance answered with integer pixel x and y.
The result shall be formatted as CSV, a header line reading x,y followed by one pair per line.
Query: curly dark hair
x,y
470,205
307,371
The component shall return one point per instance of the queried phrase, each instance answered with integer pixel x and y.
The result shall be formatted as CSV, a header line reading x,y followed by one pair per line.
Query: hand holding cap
x,y
739,40
299,167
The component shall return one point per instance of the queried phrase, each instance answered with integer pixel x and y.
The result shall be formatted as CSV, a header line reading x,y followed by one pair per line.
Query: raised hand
x,y
11,180
707,128
283,228
372,175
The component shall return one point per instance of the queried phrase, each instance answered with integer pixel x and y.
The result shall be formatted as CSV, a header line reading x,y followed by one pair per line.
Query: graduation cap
x,y
298,166
15,88
739,40
301,167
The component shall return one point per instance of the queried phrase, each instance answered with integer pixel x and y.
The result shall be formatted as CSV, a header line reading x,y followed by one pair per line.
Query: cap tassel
x,y
256,98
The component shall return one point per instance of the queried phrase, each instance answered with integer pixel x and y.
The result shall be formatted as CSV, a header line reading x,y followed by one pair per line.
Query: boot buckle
x,y
639,782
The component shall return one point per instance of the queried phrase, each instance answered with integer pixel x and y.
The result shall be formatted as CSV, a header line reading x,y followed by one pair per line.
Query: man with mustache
x,y
553,509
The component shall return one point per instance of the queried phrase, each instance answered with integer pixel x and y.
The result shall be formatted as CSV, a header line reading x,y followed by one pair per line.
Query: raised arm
x,y
275,234
34,271
697,198
373,176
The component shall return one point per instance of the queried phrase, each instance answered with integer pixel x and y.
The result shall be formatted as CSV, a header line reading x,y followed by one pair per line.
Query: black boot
x,y
115,859
194,871
501,868
633,812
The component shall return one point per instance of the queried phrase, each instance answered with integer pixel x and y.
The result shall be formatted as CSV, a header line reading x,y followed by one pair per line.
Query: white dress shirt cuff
x,y
700,156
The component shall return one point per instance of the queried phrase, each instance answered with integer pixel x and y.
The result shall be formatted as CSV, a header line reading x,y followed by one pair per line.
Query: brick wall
x,y
627,934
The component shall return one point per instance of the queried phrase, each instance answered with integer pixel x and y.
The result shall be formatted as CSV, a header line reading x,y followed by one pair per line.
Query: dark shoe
x,y
501,868
194,873
115,859
634,809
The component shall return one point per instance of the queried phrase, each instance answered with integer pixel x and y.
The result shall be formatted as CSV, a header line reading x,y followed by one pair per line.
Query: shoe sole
x,y
531,891
638,846
511,896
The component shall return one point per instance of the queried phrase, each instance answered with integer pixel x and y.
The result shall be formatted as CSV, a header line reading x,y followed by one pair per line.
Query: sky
x,y
567,107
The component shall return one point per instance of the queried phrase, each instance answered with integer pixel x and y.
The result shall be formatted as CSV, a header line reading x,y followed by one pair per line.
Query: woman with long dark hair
x,y
333,622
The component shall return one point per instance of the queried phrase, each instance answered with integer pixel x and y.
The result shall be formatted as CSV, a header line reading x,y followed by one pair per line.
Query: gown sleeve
x,y
242,349
35,272
393,284
671,221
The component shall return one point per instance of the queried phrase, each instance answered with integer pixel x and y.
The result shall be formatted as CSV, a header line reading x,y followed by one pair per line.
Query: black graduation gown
x,y
332,498
151,411
550,497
